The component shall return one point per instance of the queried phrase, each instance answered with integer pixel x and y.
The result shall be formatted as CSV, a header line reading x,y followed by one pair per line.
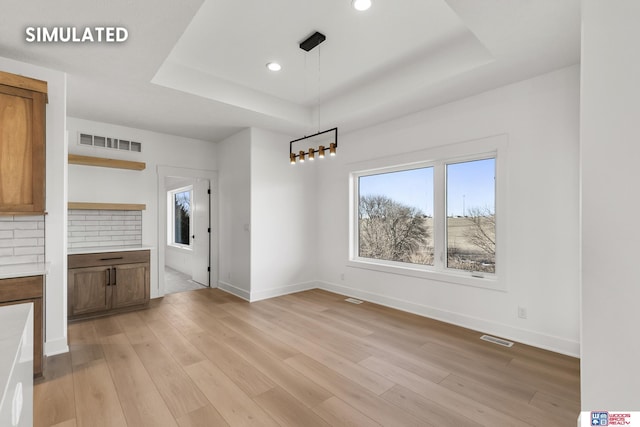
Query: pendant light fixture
x,y
320,139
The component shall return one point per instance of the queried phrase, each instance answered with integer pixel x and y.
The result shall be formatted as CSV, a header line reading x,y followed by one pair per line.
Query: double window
x,y
430,218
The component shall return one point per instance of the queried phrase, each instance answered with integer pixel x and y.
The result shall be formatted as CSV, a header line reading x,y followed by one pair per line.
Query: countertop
x,y
23,270
102,249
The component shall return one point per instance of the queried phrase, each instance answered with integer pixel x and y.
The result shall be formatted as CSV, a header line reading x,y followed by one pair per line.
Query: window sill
x,y
180,248
491,282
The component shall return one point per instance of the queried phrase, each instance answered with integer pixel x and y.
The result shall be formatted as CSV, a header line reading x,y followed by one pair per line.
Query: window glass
x,y
182,214
471,219
395,216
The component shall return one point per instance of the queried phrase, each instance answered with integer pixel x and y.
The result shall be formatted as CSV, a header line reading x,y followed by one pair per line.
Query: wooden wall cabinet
x,y
105,283
28,289
22,145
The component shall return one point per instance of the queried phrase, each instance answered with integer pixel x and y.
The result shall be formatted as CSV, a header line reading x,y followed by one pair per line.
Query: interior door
x,y
201,232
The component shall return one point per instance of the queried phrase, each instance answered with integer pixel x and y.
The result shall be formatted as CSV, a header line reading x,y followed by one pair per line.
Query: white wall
x,y
96,184
610,108
540,118
283,219
56,194
235,214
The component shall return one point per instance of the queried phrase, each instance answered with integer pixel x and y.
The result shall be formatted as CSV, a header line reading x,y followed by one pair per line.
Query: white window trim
x,y
438,157
171,219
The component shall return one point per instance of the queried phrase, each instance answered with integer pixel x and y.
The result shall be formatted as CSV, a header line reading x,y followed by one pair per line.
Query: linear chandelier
x,y
320,141
326,140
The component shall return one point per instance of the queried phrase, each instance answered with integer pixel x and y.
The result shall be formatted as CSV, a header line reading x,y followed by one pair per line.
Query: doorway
x,y
187,230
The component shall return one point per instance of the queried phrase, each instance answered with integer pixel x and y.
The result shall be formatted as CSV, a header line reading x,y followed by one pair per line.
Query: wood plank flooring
x,y
207,358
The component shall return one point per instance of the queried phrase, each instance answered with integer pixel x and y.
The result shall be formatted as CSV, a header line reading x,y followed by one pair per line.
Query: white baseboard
x,y
57,346
547,342
234,290
283,290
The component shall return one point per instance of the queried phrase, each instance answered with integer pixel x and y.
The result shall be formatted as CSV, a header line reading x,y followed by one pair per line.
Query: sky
x,y
469,184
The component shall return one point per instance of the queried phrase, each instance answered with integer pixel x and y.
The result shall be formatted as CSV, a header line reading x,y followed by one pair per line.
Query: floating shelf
x,y
107,206
75,159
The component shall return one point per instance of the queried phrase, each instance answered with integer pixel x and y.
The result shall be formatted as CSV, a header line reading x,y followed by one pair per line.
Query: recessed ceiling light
x,y
361,5
274,66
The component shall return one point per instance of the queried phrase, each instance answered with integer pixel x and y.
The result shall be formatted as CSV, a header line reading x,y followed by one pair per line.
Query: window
x,y
435,219
395,216
471,218
180,202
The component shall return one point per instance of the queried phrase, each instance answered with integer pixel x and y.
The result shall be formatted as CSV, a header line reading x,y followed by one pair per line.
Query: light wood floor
x,y
206,358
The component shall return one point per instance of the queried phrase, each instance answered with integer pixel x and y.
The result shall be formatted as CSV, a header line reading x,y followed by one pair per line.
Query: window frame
x,y
438,158
171,218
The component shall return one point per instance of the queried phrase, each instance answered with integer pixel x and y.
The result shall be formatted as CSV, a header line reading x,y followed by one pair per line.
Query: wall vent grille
x,y
353,301
498,341
109,142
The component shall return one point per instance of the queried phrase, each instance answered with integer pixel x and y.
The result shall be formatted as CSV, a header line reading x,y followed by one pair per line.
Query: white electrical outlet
x,y
522,312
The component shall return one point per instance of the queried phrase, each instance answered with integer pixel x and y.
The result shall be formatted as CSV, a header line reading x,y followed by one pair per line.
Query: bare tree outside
x,y
472,241
390,230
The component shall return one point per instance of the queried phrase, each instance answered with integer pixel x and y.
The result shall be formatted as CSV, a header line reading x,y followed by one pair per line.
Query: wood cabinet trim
x,y
23,82
107,258
75,159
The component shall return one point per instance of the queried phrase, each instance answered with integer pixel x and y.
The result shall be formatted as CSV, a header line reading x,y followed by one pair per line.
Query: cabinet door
x,y
130,285
22,145
89,290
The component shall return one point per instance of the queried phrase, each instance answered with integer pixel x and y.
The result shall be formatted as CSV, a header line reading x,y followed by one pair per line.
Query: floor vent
x,y
106,142
353,301
498,341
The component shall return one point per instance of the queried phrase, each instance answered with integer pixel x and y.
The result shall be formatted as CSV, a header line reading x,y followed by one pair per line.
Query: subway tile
x,y
76,228
82,244
97,228
84,222
18,225
124,227
83,233
22,259
28,218
111,223
7,243
42,258
30,250
6,218
41,242
21,234
6,251
6,234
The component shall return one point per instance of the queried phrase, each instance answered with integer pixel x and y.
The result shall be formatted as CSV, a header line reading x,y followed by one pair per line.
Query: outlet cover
x,y
522,312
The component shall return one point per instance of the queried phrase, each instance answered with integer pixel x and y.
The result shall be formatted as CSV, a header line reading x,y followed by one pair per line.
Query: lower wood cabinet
x,y
28,289
106,283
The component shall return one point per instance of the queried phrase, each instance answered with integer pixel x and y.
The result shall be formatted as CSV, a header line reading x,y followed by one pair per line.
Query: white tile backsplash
x,y
21,239
87,228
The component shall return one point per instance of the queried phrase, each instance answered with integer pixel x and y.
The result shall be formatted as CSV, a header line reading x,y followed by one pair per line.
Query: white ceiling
x,y
197,68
